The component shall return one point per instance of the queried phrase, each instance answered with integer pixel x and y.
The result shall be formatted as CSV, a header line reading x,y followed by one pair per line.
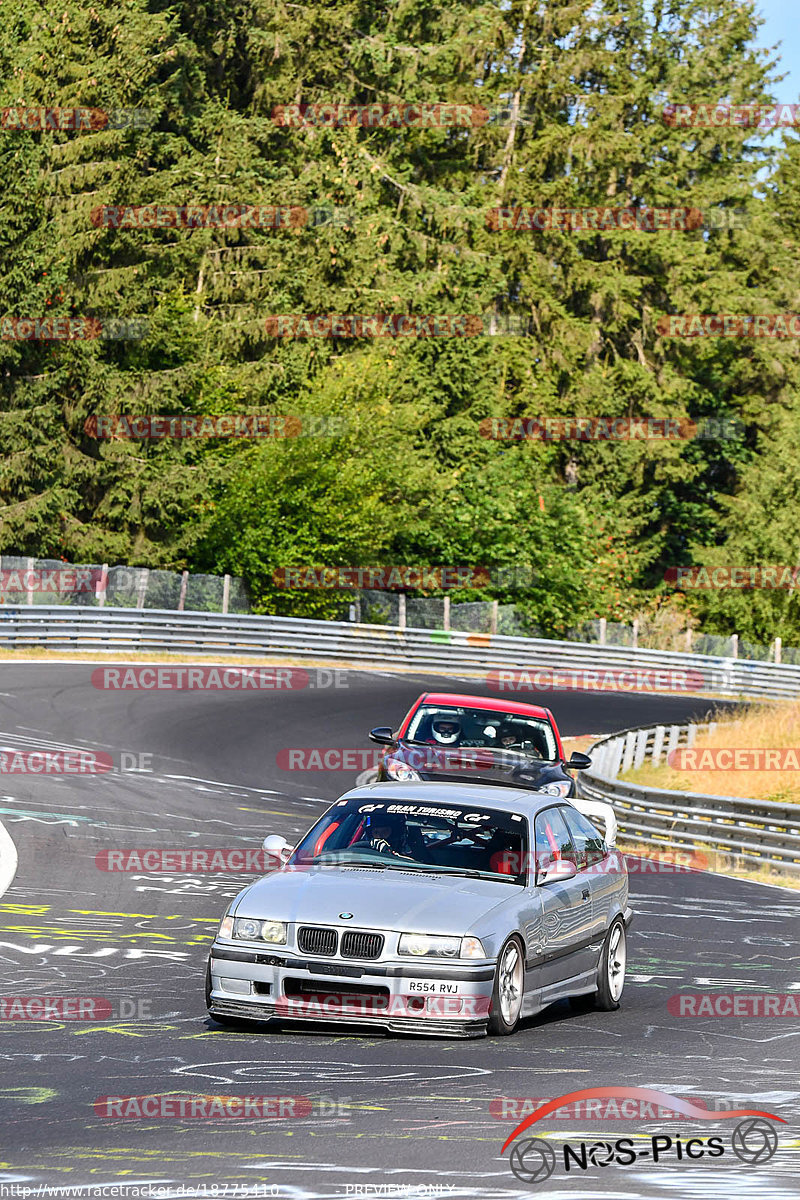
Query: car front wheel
x,y
507,991
611,972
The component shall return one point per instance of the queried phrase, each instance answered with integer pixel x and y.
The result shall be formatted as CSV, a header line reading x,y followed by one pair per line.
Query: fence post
x,y
493,616
401,610
226,592
144,579
778,645
688,639
29,569
603,624
635,638
734,645
446,615
101,591
184,585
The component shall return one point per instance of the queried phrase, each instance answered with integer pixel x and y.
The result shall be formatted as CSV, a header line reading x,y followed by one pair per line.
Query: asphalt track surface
x,y
388,1112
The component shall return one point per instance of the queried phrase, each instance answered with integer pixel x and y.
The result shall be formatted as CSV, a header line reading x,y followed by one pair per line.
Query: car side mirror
x,y
382,735
277,847
578,762
557,871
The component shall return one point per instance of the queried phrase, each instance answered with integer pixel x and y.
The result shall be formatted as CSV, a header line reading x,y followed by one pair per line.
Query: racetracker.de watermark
x,y
735,1004
219,216
729,325
397,325
775,577
170,1106
600,219
575,679
716,115
385,579
54,762
194,860
606,1108
71,329
58,580
608,429
216,679
317,1006
402,115
74,1008
734,758
257,427
24,119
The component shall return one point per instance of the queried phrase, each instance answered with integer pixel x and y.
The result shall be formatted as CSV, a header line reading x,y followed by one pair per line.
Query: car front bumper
x,y
263,985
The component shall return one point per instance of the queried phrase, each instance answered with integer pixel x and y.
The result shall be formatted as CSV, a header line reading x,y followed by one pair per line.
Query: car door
x,y
562,951
590,850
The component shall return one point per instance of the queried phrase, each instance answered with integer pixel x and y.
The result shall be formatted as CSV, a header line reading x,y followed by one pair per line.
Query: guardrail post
x,y
627,752
658,745
226,592
689,639
144,579
639,748
603,623
401,611
446,614
101,590
777,649
734,645
29,593
493,616
184,585
635,633
672,741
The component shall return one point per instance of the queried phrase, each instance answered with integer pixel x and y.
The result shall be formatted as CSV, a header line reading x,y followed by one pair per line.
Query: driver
x,y
385,834
508,736
446,730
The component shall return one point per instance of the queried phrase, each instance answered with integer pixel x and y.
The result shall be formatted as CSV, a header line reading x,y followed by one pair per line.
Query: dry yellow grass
x,y
770,727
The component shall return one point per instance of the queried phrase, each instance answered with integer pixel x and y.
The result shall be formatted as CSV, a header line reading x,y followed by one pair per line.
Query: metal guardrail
x,y
124,629
550,665
758,832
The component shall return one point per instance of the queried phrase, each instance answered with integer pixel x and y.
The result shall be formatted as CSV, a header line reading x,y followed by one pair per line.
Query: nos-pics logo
x,y
533,1160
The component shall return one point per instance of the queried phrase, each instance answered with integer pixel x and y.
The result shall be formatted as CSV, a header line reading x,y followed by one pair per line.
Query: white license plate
x,y
432,987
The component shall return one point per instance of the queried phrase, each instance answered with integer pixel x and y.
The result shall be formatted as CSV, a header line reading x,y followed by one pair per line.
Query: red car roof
x,y
505,706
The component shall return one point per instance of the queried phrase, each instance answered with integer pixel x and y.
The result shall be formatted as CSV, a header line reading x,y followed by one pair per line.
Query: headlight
x,y
422,945
253,930
556,789
396,769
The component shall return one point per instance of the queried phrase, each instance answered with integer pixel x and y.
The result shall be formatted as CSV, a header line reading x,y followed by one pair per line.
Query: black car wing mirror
x,y
578,762
382,735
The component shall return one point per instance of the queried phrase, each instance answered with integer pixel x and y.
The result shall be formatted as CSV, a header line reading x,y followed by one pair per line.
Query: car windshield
x,y
448,725
427,837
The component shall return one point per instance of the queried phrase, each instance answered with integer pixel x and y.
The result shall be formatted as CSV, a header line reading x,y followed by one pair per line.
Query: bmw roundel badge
x,y
345,916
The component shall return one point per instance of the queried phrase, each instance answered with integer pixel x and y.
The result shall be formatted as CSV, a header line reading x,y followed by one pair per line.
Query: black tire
x,y
611,969
500,1022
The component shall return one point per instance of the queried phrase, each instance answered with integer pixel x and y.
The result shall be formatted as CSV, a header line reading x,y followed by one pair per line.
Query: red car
x,y
448,736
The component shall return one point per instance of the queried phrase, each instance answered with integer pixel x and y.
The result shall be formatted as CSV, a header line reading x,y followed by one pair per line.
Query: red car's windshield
x,y
451,725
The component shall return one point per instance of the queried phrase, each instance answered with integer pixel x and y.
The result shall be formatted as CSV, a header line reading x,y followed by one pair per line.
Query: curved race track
x,y
398,1111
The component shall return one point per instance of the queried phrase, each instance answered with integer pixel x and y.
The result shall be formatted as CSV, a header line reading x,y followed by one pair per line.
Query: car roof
x,y
482,795
504,706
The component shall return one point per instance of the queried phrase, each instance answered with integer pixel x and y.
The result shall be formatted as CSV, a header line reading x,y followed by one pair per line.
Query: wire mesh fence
x,y
31,581
53,581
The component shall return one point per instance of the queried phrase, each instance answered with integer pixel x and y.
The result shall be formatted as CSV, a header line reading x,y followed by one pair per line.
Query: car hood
x,y
478,765
412,901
